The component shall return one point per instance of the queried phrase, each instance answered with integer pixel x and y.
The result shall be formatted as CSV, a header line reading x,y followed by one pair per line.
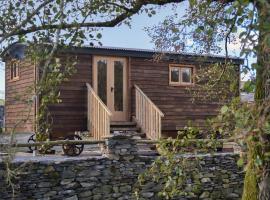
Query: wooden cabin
x,y
113,87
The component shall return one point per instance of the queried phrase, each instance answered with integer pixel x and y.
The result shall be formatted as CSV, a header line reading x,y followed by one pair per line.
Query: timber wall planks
x,y
174,101
17,93
71,114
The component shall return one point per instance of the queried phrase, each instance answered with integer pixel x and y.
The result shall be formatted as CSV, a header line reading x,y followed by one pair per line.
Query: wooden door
x,y
110,83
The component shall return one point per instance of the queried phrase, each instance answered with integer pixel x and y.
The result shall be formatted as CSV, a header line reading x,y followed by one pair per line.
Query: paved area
x,y
23,152
20,137
23,155
30,157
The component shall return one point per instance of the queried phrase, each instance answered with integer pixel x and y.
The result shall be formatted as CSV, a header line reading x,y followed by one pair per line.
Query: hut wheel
x,y
31,139
73,149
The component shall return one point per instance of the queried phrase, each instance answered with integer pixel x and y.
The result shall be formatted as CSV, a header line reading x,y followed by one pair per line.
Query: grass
x,y
2,102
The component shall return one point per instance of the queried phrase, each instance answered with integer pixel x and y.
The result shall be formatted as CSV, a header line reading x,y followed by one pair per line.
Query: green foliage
x,y
207,25
250,190
249,125
59,70
239,121
174,169
217,82
234,118
249,86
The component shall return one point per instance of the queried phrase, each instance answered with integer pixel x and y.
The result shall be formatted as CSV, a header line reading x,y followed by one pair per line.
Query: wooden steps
x,y
131,128
123,124
124,127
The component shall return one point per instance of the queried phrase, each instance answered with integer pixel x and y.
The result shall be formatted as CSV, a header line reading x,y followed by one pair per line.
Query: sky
x,y
134,37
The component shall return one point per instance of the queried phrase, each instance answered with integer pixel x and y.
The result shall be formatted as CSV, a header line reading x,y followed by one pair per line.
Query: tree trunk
x,y
263,74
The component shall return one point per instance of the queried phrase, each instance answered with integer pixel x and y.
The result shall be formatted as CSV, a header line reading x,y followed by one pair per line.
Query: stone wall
x,y
113,176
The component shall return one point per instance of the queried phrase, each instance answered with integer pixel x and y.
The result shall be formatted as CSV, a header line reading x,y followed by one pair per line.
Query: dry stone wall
x,y
113,176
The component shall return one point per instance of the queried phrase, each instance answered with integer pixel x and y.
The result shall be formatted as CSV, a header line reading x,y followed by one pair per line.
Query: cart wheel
x,y
73,149
32,139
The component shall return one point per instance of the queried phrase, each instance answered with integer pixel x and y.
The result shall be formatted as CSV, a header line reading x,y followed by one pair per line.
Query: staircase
x,y
129,128
132,129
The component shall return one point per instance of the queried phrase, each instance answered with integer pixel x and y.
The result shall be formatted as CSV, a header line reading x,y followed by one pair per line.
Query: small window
x,y
14,70
181,75
186,75
175,75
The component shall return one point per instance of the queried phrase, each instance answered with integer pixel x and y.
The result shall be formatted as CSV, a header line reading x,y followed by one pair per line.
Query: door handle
x,y
112,88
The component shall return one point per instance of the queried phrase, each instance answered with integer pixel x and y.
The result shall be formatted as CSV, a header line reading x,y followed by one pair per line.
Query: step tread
x,y
123,123
124,129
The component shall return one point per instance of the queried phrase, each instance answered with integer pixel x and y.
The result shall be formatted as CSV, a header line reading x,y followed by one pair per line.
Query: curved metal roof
x,y
17,50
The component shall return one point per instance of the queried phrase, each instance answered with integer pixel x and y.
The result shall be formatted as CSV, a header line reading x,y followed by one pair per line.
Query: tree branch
x,y
138,4
24,22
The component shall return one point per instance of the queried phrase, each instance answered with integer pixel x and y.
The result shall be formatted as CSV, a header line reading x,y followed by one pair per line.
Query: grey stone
x,y
87,185
232,195
125,188
85,194
51,193
204,180
97,197
114,175
147,194
204,195
72,198
45,184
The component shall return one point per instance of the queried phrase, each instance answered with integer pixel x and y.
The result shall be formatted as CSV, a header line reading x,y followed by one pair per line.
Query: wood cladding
x,y
174,101
19,94
71,114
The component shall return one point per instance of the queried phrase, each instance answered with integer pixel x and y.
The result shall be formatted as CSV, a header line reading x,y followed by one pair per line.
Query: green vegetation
x,y
208,25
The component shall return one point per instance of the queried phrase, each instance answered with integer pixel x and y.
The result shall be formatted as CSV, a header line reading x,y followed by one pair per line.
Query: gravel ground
x,y
20,137
24,151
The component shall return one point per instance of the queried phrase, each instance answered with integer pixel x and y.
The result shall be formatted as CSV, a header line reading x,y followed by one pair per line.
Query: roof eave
x,y
150,54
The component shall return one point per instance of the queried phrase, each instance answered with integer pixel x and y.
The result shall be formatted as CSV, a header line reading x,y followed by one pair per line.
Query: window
x,y
181,75
14,70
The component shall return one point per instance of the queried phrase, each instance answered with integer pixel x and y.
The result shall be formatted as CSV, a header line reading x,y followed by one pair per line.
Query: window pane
x,y
118,86
186,75
174,75
102,80
15,70
11,71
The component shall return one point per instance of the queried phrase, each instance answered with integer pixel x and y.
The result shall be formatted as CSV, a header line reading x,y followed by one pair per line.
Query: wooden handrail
x,y
98,115
148,115
147,98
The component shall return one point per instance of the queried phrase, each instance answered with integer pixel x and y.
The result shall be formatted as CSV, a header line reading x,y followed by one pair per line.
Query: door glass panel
x,y
102,80
118,86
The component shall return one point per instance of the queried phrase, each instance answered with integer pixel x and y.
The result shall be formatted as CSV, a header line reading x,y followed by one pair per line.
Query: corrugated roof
x,y
135,52
165,52
17,49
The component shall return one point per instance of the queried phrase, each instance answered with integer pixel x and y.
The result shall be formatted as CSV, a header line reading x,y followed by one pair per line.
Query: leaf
x,y
224,109
258,161
240,162
99,35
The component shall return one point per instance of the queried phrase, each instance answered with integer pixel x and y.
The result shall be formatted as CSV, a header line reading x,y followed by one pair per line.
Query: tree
x,y
208,24
73,22
51,25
